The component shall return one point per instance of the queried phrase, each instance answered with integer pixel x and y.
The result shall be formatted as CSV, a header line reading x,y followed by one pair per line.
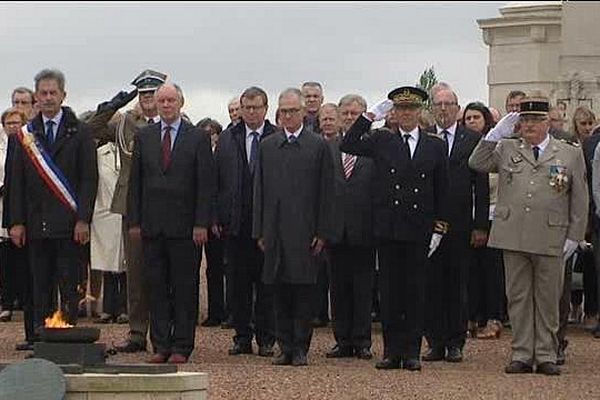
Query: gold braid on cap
x,y
406,96
440,227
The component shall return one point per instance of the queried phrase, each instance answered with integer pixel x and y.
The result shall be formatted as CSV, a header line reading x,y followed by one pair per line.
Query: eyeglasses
x,y
443,104
253,108
289,111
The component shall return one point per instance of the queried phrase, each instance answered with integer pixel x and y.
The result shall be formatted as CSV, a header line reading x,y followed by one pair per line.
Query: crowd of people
x,y
443,222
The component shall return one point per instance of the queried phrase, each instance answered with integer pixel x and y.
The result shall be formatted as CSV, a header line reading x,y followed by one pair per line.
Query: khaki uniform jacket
x,y
122,134
540,203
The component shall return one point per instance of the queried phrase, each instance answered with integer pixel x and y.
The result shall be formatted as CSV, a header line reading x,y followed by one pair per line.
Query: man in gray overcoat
x,y
292,200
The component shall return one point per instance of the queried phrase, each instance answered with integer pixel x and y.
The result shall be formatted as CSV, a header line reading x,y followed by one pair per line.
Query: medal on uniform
x,y
558,177
515,158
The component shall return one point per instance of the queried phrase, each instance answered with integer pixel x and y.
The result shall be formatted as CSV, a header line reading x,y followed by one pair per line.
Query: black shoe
x,y
240,348
596,332
5,316
454,355
340,352
388,363
412,364
227,324
363,353
561,354
547,368
434,354
25,346
518,367
208,322
299,359
129,346
104,318
282,359
266,351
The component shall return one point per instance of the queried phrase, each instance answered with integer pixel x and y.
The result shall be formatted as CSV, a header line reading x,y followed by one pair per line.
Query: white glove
x,y
436,238
569,248
381,109
504,128
583,245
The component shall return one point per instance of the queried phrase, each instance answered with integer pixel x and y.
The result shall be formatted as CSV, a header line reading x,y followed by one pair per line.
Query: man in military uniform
x,y
123,133
540,217
409,188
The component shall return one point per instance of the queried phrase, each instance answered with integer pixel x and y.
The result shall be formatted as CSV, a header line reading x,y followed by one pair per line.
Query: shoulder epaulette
x,y
571,142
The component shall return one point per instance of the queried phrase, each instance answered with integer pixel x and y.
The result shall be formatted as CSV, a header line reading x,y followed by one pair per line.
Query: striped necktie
x,y
348,163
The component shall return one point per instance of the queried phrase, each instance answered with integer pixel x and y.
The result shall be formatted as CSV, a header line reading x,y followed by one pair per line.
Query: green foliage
x,y
426,81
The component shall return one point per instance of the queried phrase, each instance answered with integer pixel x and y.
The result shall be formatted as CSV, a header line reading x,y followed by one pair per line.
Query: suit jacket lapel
x,y
155,143
459,136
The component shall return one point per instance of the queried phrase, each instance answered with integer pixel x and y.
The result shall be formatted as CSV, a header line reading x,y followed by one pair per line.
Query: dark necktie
x,y
150,121
166,148
446,133
50,131
292,139
406,136
253,152
536,152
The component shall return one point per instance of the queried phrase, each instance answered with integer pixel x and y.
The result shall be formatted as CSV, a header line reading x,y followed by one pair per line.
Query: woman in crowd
x,y
486,282
584,303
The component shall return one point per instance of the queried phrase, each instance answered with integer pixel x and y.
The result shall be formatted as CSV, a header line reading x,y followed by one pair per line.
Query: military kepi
x,y
408,95
149,80
534,106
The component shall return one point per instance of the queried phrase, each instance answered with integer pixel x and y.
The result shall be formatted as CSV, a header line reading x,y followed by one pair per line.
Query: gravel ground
x,y
243,377
480,376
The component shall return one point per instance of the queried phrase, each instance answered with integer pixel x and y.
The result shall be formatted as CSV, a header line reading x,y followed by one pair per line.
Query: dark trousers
x,y
293,312
352,272
215,284
250,296
114,297
54,261
16,283
172,282
402,285
321,297
447,280
486,285
564,304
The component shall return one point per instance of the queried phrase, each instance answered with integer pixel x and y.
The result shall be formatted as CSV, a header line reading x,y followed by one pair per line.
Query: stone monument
x,y
551,46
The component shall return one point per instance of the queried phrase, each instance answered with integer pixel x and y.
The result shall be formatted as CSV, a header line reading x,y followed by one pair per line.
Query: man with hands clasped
x,y
410,184
540,218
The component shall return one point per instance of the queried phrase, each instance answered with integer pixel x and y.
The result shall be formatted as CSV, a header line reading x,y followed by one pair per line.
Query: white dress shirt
x,y
451,135
412,140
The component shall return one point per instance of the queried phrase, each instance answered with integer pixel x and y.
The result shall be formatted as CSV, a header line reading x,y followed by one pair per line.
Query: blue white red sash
x,y
47,169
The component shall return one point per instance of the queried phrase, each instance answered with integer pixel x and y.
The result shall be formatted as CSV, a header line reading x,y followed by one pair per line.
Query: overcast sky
x,y
216,50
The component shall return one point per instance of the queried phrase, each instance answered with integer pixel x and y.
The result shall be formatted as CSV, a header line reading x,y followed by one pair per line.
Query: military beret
x,y
149,80
408,95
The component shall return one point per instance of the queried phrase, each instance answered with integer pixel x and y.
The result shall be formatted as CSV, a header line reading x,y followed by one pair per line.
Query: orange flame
x,y
57,321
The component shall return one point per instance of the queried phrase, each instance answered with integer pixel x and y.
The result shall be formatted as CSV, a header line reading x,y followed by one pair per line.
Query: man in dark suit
x,y
123,135
446,313
409,187
169,204
236,158
292,204
352,251
55,231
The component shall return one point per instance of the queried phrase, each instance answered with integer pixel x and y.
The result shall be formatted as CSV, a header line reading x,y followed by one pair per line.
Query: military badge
x,y
516,158
558,177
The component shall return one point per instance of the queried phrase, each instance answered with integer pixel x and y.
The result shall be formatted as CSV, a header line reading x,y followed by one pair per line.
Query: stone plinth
x,y
178,386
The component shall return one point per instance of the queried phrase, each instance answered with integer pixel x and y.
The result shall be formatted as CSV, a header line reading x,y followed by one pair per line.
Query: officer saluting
x,y
540,217
411,182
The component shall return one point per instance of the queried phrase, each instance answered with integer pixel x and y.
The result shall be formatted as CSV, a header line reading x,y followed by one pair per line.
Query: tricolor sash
x,y
47,169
